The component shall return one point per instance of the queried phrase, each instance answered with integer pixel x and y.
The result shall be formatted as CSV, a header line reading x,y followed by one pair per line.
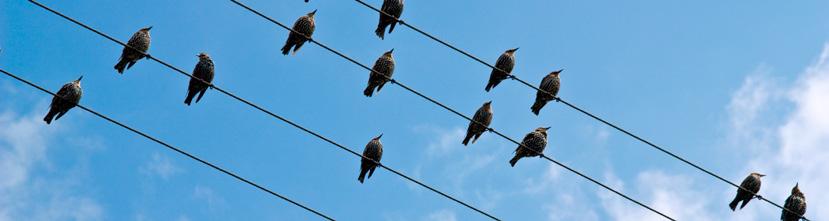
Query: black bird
x,y
751,183
550,84
374,151
535,142
385,66
141,42
482,116
305,26
204,71
796,203
505,63
67,97
393,8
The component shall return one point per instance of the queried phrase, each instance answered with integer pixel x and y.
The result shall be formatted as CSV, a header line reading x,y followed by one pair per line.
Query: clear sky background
x,y
734,86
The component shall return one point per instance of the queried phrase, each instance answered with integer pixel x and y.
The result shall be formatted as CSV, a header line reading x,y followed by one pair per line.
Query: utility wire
x,y
558,99
393,81
272,114
171,147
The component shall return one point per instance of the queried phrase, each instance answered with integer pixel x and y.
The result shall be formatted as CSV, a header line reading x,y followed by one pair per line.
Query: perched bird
x,y
374,151
504,63
383,65
305,26
204,71
68,97
536,141
751,183
306,0
140,41
393,8
550,84
482,116
796,203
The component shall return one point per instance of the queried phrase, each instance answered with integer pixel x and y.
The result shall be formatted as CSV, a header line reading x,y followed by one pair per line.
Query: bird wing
x,y
549,84
62,94
505,63
527,140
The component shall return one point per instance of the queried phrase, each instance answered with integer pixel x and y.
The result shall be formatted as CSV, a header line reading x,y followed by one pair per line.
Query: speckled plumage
x,y
67,97
505,62
482,116
391,7
203,70
796,203
536,141
383,65
305,25
751,183
374,151
550,84
141,42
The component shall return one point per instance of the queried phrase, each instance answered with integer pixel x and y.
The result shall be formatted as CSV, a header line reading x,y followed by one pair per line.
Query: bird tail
x,y
478,135
298,45
50,116
122,64
536,108
391,27
514,160
201,93
381,30
744,203
287,48
362,176
371,171
189,98
368,91
733,204
466,139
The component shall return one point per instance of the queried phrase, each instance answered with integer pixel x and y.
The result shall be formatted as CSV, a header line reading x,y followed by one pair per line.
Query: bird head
x,y
758,174
556,73
78,82
147,29
388,53
311,14
511,51
796,189
203,56
378,137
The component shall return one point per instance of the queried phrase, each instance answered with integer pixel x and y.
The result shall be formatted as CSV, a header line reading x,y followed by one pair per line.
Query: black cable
x,y
558,99
171,147
270,113
393,81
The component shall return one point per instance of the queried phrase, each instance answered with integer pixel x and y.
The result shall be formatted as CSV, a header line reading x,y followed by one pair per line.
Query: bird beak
x,y
79,79
378,137
560,70
313,12
392,50
489,102
761,175
546,128
515,49
148,28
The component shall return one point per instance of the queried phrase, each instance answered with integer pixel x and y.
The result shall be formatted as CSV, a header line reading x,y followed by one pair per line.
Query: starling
x,y
373,151
203,71
535,142
549,90
752,184
304,28
67,97
383,65
393,8
482,116
140,41
504,63
796,203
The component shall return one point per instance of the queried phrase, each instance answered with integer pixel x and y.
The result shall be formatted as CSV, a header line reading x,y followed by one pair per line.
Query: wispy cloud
x,y
24,143
441,215
160,166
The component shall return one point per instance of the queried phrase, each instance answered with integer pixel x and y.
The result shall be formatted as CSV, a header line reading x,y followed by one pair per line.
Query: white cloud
x,y
160,166
674,195
206,194
26,194
442,215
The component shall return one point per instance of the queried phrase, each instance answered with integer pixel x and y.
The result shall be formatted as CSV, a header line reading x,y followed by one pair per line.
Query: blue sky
x,y
734,86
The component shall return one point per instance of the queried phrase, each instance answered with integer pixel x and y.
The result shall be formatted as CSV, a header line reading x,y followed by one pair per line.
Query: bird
x,y
302,31
306,0
390,7
505,63
749,188
139,41
203,71
549,90
373,151
67,97
482,116
384,65
796,203
532,145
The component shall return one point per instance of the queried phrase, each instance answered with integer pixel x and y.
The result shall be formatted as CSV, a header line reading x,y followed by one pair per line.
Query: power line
x,y
558,99
271,113
171,147
393,81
